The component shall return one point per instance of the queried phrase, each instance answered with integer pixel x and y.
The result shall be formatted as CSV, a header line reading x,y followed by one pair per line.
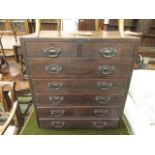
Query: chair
x,y
9,120
9,109
38,26
97,28
121,27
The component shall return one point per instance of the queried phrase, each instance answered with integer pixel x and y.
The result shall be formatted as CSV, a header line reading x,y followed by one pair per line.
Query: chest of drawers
x,y
79,81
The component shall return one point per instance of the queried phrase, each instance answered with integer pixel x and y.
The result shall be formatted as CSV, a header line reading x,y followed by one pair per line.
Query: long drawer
x,y
79,86
51,49
82,111
79,100
78,123
78,66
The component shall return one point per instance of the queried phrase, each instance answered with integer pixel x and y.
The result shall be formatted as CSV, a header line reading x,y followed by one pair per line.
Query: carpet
x,y
31,128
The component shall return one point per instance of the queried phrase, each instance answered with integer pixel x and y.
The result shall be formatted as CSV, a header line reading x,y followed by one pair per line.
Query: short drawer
x,y
108,50
51,49
79,85
79,100
78,66
82,111
78,123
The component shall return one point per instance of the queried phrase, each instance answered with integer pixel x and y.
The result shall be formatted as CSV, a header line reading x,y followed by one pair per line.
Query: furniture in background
x,y
79,80
98,26
9,110
10,73
20,25
90,24
49,24
46,24
7,127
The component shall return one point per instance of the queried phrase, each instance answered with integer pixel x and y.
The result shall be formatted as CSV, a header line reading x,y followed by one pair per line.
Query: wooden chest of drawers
x,y
79,81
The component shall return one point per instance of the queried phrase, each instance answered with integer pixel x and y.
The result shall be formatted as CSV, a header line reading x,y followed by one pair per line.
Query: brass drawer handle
x,y
100,124
104,85
101,112
108,52
56,99
102,99
53,68
106,69
57,112
52,52
57,124
55,85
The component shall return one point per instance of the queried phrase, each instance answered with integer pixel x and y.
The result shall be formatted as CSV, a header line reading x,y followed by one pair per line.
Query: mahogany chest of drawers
x,y
79,81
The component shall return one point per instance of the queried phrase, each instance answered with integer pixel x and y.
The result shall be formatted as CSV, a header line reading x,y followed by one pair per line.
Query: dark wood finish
x,y
62,99
83,86
78,66
70,49
79,85
92,49
86,24
78,123
82,111
42,49
46,24
89,24
144,26
147,51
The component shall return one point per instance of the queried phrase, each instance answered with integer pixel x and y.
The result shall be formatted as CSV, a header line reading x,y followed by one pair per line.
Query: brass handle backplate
x,y
108,52
100,124
57,124
101,112
56,99
102,99
57,112
53,68
55,85
104,85
52,52
106,69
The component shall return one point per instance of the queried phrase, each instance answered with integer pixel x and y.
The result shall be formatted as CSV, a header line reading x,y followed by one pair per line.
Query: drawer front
x,y
79,86
108,50
47,67
98,124
79,100
57,112
51,49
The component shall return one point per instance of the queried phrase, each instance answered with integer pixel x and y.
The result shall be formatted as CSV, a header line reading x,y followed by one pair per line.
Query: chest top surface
x,y
88,35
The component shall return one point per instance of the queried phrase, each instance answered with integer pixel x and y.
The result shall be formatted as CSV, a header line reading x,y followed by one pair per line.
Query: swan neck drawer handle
x,y
53,68
100,124
56,99
106,69
102,99
104,85
57,124
57,112
55,85
52,52
107,52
